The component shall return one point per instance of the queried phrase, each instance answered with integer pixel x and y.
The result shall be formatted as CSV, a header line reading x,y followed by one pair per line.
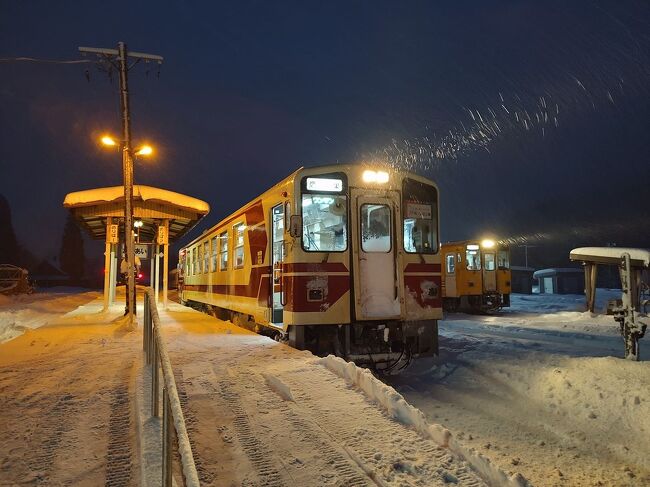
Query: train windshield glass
x,y
324,219
473,257
503,262
420,217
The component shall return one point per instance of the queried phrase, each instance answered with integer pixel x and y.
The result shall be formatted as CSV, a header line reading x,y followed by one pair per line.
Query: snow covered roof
x,y
553,271
145,193
611,255
152,206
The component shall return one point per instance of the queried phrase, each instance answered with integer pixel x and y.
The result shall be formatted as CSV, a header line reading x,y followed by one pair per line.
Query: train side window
x,y
214,254
503,261
420,210
223,251
324,223
206,256
195,266
375,228
451,264
238,232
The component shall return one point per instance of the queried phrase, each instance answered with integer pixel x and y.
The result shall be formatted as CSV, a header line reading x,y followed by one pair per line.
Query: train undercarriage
x,y
384,346
480,303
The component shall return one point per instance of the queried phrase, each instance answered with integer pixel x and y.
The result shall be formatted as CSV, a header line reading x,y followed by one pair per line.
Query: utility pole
x,y
121,55
526,246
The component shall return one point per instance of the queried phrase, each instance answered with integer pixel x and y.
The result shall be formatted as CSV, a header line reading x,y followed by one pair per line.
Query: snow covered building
x,y
563,280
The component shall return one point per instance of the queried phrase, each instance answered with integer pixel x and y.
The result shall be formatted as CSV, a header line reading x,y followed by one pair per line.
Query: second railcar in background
x,y
337,259
476,275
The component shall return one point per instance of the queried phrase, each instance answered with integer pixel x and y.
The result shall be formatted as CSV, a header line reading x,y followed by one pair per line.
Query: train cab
x,y
476,275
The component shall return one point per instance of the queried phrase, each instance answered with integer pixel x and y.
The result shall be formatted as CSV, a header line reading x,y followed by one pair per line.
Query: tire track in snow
x,y
255,449
206,473
393,451
118,454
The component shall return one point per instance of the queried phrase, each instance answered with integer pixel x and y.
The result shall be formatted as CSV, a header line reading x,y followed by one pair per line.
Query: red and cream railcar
x,y
339,259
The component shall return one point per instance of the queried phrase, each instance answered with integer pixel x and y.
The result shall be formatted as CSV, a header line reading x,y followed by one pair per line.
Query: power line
x,y
47,61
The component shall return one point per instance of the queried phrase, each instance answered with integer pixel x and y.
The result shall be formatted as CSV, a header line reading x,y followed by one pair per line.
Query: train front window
x,y
324,223
503,260
473,257
489,261
375,228
420,209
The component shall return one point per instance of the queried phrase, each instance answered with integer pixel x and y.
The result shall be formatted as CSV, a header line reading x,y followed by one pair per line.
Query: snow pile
x,y
397,407
28,311
278,386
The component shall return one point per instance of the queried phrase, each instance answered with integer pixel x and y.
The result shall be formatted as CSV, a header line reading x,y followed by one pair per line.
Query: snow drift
x,y
397,407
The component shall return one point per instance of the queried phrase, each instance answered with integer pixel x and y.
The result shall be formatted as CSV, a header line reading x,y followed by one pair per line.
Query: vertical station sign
x,y
163,237
113,233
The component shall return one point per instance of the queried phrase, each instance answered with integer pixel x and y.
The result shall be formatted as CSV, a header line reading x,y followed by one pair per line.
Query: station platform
x,y
257,411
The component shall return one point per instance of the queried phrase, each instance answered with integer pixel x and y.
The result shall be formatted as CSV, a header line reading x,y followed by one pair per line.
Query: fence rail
x,y
172,420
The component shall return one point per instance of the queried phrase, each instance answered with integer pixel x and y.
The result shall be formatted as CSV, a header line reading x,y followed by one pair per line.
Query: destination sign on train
x,y
324,184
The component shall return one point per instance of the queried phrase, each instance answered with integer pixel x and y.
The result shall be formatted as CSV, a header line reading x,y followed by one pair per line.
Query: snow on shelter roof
x,y
611,255
152,206
115,193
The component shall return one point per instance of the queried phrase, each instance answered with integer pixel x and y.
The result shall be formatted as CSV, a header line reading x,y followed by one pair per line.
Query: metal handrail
x,y
173,419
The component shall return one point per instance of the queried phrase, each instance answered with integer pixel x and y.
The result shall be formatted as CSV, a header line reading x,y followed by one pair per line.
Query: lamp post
x,y
121,55
127,167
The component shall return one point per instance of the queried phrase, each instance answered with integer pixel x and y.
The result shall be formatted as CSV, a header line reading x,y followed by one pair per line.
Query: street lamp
x,y
128,155
109,141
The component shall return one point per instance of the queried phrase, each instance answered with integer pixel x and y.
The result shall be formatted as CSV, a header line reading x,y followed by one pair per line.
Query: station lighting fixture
x,y
487,243
138,223
379,177
108,140
145,150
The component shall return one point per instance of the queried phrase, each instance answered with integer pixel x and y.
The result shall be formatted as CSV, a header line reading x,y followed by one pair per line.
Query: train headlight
x,y
487,243
379,177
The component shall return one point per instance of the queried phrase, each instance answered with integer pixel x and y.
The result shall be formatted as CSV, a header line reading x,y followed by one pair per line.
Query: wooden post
x,y
591,273
166,264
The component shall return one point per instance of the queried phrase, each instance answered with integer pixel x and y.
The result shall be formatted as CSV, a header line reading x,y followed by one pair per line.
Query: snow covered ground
x,y
28,311
541,389
262,413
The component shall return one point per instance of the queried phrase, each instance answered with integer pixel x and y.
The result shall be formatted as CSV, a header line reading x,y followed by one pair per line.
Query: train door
x,y
375,255
277,259
489,272
450,275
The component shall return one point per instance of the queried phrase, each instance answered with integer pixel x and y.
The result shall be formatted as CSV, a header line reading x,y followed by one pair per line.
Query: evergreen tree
x,y
71,255
9,250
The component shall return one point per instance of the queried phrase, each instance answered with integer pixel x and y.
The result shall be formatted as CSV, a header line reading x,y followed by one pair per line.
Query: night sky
x,y
532,116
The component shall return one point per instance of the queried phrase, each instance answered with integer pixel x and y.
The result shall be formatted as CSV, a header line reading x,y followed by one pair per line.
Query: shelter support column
x,y
113,276
107,264
156,281
591,273
165,263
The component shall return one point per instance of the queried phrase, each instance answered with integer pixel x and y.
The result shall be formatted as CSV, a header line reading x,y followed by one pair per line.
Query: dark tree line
x,y
71,253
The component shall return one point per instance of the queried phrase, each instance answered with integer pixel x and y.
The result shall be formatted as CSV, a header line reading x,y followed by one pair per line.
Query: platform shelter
x,y
160,217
